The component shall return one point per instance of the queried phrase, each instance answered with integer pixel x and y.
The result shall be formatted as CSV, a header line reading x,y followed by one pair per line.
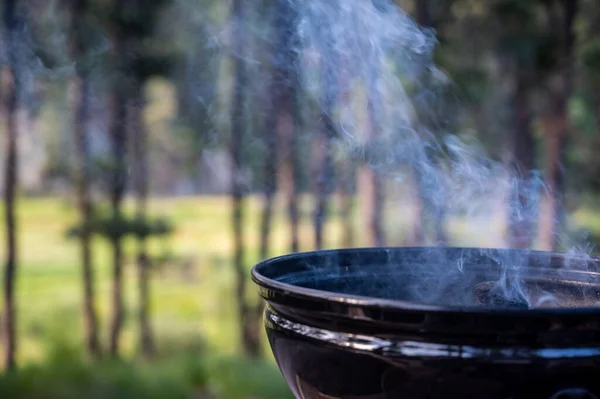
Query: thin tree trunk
x,y
270,179
11,103
325,174
117,192
420,199
347,205
269,190
270,187
521,222
440,211
429,204
371,188
287,111
346,170
330,91
82,97
323,159
561,17
118,109
370,182
593,30
271,159
140,149
424,19
250,341
287,173
84,205
556,142
596,142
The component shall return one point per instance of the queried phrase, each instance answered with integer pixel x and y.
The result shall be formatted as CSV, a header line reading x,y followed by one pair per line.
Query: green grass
x,y
198,300
64,376
193,309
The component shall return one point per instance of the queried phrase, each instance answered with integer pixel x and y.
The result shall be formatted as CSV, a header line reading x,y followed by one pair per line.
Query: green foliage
x,y
149,65
113,228
239,378
66,376
590,56
523,35
144,56
69,378
181,370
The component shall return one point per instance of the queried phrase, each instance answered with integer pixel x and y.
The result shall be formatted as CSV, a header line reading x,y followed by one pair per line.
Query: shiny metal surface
x,y
329,344
408,348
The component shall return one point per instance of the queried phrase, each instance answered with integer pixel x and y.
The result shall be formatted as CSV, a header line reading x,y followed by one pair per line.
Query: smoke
x,y
402,125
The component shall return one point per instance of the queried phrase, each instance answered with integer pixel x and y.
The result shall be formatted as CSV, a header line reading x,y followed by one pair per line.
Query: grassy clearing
x,y
192,296
192,301
180,376
193,309
186,300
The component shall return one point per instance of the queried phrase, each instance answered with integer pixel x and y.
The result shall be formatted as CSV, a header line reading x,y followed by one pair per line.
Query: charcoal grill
x,y
434,323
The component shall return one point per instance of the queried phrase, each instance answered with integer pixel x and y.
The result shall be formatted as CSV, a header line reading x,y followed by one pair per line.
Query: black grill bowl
x,y
406,323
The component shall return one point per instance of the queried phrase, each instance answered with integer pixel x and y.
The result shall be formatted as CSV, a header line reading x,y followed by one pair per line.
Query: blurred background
x,y
154,150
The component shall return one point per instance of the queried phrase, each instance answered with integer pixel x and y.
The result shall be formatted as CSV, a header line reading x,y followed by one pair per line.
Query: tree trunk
x,y
271,159
323,150
118,110
249,334
429,206
117,192
288,171
269,190
82,177
322,187
270,187
371,188
521,217
596,143
254,320
11,93
346,193
346,171
556,124
330,91
418,236
555,129
140,153
370,182
287,110
420,211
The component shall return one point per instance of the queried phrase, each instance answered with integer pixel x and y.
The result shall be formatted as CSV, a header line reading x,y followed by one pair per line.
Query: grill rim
x,y
276,291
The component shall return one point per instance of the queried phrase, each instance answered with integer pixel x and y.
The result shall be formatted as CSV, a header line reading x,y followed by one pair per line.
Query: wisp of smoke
x,y
373,48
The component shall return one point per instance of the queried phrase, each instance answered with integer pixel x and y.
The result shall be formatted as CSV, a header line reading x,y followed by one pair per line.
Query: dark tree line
x,y
560,19
11,91
541,61
247,318
532,44
82,170
132,60
533,47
